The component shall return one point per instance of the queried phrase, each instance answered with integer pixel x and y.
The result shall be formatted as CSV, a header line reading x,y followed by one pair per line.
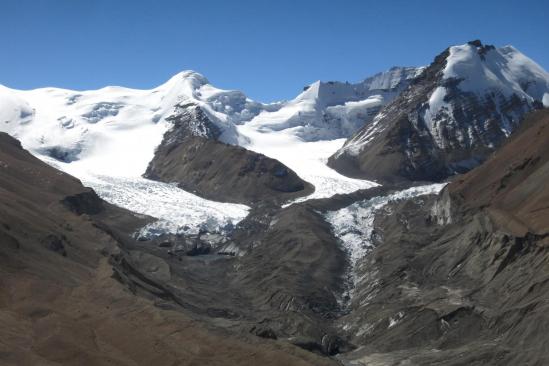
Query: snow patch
x,y
395,320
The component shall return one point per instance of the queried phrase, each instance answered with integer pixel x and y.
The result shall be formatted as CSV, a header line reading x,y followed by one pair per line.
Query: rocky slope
x,y
461,108
512,182
278,275
61,302
461,279
191,155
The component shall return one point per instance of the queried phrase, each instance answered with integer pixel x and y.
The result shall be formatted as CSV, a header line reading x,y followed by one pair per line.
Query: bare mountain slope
x,y
59,302
191,155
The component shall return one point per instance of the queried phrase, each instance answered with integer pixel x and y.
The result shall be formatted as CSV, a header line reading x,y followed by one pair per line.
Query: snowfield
x,y
107,137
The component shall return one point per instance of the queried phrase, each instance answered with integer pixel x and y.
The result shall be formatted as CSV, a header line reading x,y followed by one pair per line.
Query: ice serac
x,y
192,155
462,107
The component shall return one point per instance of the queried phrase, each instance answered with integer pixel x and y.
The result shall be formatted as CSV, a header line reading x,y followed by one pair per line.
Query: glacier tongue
x,y
177,211
353,226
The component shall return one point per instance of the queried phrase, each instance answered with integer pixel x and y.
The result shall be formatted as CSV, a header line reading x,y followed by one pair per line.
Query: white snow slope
x,y
107,137
307,159
503,72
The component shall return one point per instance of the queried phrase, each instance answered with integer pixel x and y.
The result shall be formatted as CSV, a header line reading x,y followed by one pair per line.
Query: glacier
x,y
106,137
354,226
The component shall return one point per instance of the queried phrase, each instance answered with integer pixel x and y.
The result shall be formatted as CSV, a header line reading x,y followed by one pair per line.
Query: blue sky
x,y
268,49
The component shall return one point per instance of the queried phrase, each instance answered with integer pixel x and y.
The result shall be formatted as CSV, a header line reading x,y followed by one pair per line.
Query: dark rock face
x,y
464,273
87,202
263,332
385,157
402,143
55,243
191,156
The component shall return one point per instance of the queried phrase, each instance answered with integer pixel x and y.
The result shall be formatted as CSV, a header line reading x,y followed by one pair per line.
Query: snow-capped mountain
x,y
78,125
457,110
465,104
301,134
108,137
348,276
333,109
114,131
72,125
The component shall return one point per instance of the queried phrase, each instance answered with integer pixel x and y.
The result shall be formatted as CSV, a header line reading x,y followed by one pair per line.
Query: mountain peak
x,y
391,78
487,68
476,43
471,98
189,78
